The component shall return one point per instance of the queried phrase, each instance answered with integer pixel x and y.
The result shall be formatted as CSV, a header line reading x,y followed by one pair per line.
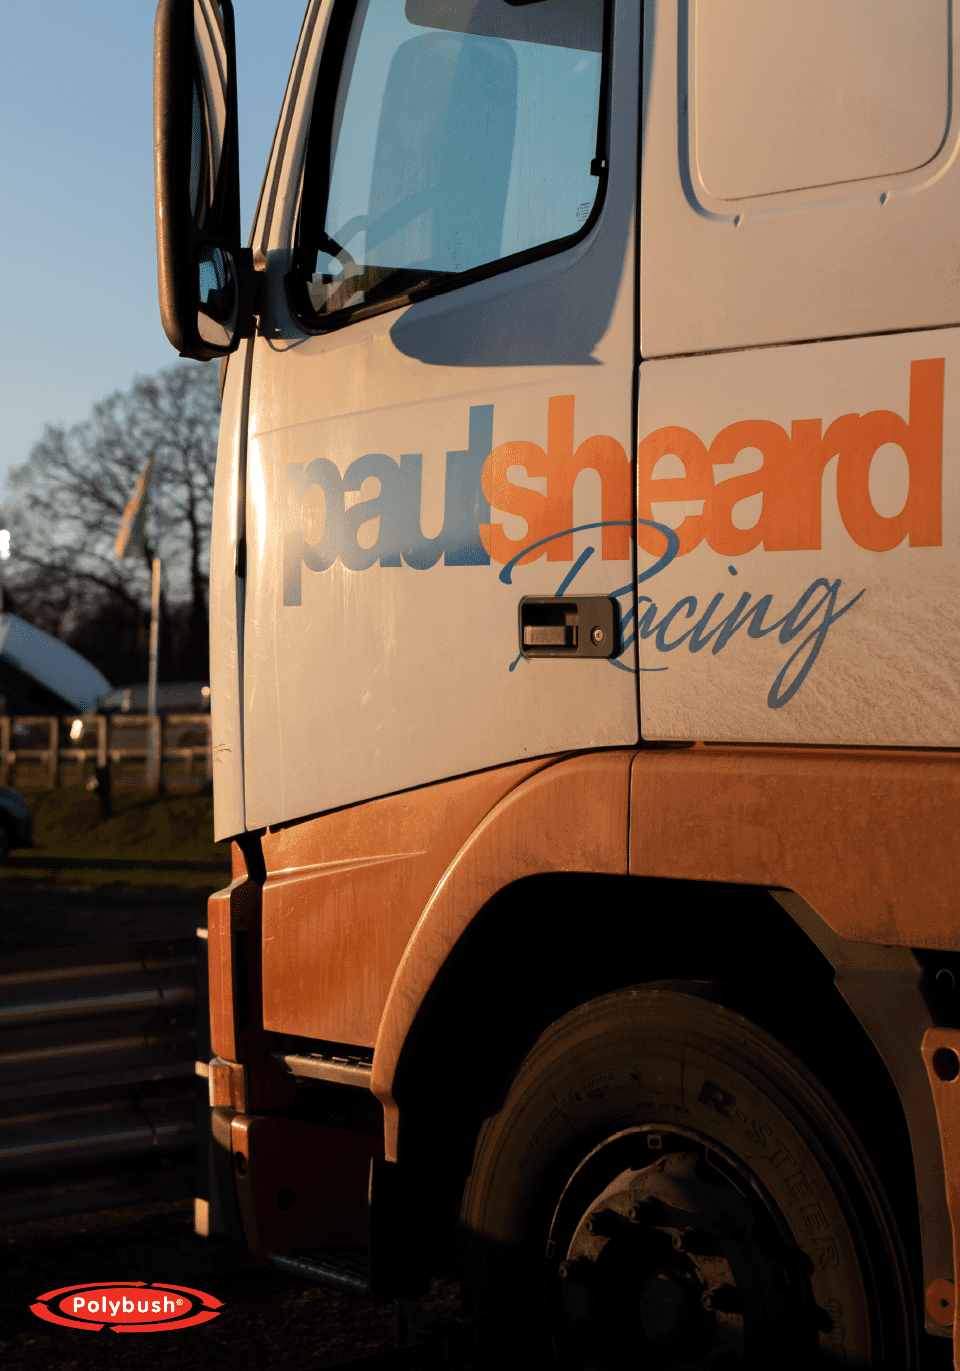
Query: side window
x,y
462,137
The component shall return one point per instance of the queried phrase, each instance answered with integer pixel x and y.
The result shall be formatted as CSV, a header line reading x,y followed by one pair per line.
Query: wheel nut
x,y
690,1240
602,1224
644,1210
578,1270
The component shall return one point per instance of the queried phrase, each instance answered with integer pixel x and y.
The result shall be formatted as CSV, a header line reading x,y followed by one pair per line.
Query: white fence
x,y
40,752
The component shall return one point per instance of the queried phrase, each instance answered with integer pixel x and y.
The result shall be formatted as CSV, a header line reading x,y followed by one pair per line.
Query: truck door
x,y
444,380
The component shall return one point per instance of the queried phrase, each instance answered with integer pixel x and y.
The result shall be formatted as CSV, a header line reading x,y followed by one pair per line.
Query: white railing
x,y
40,752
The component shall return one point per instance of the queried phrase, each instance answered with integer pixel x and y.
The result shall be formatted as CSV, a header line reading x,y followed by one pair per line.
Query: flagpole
x,y
4,557
154,760
130,541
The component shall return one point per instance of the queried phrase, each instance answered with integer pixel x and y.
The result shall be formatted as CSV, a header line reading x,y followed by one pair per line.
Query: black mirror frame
x,y
178,238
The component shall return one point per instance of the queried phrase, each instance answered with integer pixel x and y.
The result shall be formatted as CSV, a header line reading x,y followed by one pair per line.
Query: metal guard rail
x,y
99,1098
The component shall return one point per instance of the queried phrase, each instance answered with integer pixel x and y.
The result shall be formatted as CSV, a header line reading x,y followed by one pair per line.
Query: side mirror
x,y
202,271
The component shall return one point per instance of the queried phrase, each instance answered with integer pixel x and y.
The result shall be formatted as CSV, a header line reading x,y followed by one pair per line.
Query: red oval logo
x,y
127,1306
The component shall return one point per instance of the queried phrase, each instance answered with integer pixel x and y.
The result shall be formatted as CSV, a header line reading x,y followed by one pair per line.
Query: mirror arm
x,y
251,294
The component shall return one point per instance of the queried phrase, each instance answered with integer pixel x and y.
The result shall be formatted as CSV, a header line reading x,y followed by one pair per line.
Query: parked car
x,y
16,822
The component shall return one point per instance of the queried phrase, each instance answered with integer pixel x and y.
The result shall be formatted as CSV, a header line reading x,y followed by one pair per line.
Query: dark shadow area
x,y
37,918
117,864
270,1321
549,943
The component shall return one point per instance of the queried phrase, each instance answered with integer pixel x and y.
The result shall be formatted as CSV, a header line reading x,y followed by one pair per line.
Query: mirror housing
x,y
204,276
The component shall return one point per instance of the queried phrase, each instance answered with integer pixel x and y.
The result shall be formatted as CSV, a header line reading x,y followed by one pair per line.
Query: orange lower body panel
x,y
362,906
867,838
343,895
295,1180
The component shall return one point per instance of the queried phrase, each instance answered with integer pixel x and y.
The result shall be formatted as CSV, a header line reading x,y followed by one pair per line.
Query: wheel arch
x,y
571,817
524,960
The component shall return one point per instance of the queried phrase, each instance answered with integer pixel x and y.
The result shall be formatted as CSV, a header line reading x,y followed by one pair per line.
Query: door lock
x,y
569,626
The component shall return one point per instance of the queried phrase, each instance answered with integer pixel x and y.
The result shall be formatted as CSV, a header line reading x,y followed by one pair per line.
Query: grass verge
x,y
171,834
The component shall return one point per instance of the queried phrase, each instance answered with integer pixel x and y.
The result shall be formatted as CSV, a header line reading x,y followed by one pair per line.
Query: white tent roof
x,y
51,663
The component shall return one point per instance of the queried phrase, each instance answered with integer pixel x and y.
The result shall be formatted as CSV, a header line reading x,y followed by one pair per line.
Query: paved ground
x,y
270,1321
33,918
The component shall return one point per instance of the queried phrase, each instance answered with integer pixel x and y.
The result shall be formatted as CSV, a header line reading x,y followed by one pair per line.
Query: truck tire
x,y
666,1186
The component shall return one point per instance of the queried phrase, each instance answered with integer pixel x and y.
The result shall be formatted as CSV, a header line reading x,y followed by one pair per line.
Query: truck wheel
x,y
666,1186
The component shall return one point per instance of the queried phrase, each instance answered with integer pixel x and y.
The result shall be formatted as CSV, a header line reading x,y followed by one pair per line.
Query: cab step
x,y
340,1268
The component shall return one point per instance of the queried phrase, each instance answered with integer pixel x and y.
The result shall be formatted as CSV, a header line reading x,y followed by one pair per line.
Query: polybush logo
x,y
126,1306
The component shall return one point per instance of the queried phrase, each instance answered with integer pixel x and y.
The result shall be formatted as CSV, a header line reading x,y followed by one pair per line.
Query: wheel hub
x,y
667,1310
676,1263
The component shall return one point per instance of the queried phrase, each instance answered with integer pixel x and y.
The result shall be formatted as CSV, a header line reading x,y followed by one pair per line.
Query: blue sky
x,y
76,164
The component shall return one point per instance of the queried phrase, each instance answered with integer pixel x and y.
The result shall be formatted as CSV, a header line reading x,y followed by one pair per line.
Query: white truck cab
x,y
585,641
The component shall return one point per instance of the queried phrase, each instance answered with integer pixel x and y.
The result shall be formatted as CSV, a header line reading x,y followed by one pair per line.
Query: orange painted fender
x,y
572,816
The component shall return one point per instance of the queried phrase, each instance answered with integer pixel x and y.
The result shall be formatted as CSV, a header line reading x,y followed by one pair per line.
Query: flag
x,y
130,536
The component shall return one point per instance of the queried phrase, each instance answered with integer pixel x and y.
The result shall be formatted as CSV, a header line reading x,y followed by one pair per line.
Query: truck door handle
x,y
569,626
550,635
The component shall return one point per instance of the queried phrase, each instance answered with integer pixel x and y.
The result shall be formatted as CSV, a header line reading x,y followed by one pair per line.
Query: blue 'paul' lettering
x,y
400,537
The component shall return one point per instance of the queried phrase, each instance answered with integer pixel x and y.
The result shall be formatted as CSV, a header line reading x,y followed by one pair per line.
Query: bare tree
x,y
64,506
